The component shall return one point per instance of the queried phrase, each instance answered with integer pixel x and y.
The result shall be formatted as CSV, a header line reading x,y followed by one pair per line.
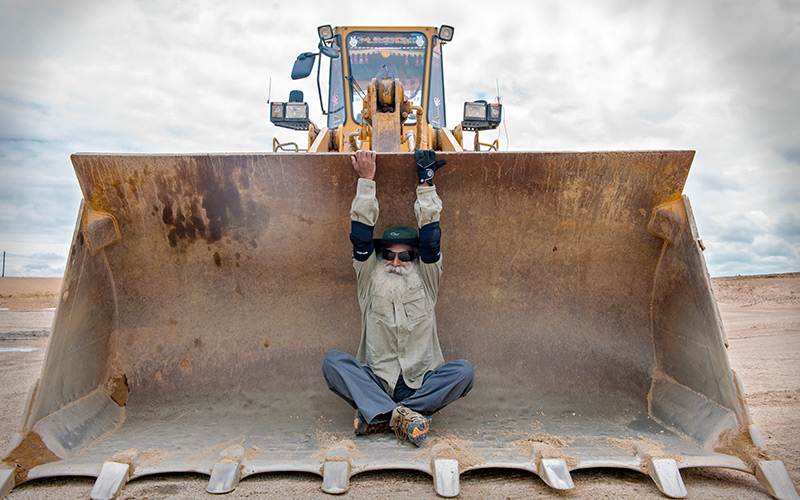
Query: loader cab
x,y
412,55
357,55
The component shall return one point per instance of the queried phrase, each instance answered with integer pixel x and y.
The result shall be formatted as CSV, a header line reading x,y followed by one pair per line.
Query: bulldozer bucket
x,y
202,292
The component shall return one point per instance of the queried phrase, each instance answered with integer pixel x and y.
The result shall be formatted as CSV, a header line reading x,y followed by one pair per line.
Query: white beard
x,y
395,283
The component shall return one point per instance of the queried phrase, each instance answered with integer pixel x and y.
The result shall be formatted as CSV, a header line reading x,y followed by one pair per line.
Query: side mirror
x,y
303,65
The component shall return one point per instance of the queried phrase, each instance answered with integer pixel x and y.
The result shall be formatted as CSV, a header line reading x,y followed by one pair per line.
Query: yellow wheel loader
x,y
203,290
386,93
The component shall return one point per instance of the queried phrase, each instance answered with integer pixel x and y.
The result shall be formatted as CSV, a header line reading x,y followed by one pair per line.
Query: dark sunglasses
x,y
404,256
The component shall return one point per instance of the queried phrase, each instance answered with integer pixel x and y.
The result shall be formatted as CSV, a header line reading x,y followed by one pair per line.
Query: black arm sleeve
x,y
361,238
429,237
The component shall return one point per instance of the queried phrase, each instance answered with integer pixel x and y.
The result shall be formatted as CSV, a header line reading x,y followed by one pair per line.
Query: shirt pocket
x,y
416,306
382,308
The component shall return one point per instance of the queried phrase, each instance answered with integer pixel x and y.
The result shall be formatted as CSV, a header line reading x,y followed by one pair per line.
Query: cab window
x,y
337,111
376,54
436,112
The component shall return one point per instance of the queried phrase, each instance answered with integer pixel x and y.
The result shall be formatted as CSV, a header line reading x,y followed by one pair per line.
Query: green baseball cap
x,y
398,234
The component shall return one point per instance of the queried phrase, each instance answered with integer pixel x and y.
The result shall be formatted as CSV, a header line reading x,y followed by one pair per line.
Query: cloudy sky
x,y
719,77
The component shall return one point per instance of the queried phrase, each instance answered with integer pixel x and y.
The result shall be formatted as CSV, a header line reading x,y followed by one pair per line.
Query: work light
x,y
481,115
325,32
475,110
296,111
446,33
277,110
292,115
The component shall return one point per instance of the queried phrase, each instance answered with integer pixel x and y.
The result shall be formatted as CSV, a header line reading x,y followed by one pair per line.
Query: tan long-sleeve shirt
x,y
398,337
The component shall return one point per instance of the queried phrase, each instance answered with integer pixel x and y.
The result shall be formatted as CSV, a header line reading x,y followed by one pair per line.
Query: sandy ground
x,y
761,316
28,293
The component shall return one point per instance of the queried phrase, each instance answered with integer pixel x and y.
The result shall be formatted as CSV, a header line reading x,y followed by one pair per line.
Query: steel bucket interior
x,y
203,291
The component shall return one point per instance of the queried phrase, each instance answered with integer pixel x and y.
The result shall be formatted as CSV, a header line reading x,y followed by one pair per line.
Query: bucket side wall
x,y
79,349
688,336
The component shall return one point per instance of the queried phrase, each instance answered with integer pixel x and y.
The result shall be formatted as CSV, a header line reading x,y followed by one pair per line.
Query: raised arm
x,y
364,209
428,207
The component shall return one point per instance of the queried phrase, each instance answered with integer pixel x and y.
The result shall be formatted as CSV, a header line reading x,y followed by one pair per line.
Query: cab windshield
x,y
381,54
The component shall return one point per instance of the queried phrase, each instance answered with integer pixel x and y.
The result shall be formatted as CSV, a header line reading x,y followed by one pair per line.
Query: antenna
x,y
269,92
503,118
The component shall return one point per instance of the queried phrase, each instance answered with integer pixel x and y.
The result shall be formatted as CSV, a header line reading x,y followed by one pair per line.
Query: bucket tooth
x,y
774,477
336,471
752,428
667,476
6,481
445,477
226,473
756,437
113,477
555,473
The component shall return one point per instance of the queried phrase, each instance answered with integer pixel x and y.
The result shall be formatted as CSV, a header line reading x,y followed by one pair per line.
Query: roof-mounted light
x,y
325,32
446,33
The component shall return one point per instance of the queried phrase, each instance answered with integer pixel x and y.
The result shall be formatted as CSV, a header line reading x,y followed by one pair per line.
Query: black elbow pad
x,y
361,238
430,237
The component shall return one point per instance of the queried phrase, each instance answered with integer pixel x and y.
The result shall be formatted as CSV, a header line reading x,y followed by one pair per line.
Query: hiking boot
x,y
409,425
362,428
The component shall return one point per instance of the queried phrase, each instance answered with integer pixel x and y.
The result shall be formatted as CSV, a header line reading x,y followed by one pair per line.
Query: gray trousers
x,y
360,387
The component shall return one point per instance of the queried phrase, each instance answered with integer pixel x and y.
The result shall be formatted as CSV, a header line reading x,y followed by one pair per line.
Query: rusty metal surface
x,y
232,278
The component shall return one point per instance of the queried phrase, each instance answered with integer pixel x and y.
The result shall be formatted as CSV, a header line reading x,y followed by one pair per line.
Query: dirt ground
x,y
28,293
762,320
